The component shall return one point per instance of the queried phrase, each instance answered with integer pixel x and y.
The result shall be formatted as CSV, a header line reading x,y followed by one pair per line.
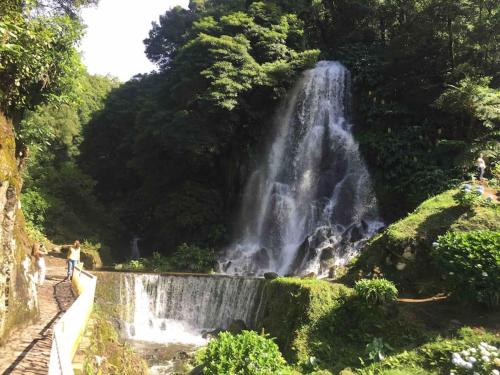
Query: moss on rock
x,y
402,251
18,303
293,307
107,354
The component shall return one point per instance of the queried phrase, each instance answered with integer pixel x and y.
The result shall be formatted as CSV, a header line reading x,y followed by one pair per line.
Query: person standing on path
x,y
39,253
481,166
73,258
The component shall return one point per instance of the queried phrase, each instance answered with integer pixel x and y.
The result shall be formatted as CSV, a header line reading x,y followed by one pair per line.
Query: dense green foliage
x,y
186,258
38,58
58,197
376,291
247,353
425,77
45,89
180,139
471,261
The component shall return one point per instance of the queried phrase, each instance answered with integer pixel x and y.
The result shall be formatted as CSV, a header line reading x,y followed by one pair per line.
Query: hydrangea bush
x,y
480,360
471,261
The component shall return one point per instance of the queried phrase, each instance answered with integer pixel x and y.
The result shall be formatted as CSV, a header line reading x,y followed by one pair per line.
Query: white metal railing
x,y
70,328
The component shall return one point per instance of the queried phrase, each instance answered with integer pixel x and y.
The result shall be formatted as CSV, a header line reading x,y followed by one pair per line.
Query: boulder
x,y
211,334
236,326
198,370
90,260
271,275
310,275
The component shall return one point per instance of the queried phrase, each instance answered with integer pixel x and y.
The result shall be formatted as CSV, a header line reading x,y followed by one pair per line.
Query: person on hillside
x,y
39,252
73,258
481,166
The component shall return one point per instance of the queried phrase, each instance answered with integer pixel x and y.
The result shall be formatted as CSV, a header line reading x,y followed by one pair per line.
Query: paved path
x,y
28,349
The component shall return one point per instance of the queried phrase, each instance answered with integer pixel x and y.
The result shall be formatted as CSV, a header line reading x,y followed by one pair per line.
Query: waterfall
x,y
134,248
309,206
177,308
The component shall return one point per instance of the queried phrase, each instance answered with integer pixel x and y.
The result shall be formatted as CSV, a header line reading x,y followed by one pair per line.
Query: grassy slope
x,y
413,236
312,318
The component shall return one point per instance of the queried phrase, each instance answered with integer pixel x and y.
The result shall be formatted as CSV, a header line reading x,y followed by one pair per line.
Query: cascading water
x,y
135,253
176,309
310,205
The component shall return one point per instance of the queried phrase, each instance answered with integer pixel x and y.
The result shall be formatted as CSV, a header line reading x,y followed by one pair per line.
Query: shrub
x,y
192,258
376,291
247,353
469,199
471,261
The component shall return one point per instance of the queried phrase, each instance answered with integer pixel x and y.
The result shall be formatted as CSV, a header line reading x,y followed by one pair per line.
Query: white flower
x,y
435,244
472,360
485,358
468,365
456,355
451,273
465,353
473,350
456,361
484,352
495,372
485,274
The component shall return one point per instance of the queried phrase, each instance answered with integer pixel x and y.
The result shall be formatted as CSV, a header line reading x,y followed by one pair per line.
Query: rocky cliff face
x,y
18,301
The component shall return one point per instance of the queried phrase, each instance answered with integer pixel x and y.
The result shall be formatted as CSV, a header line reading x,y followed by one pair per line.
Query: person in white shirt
x,y
73,258
38,253
481,166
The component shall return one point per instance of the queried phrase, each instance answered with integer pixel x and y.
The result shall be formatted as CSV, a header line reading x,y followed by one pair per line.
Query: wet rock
x,y
182,355
400,266
261,258
225,266
236,326
271,275
332,272
198,370
310,275
211,334
408,254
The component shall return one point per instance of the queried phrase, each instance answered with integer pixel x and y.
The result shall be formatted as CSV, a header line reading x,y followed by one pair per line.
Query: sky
x,y
115,31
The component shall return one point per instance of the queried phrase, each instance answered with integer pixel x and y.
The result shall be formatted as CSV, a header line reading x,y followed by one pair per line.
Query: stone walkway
x,y
28,349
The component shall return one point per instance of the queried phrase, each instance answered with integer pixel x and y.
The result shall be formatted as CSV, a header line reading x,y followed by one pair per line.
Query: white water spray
x,y
310,205
177,309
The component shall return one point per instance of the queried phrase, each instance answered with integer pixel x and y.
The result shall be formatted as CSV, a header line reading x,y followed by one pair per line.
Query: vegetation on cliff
x,y
38,61
403,251
425,79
